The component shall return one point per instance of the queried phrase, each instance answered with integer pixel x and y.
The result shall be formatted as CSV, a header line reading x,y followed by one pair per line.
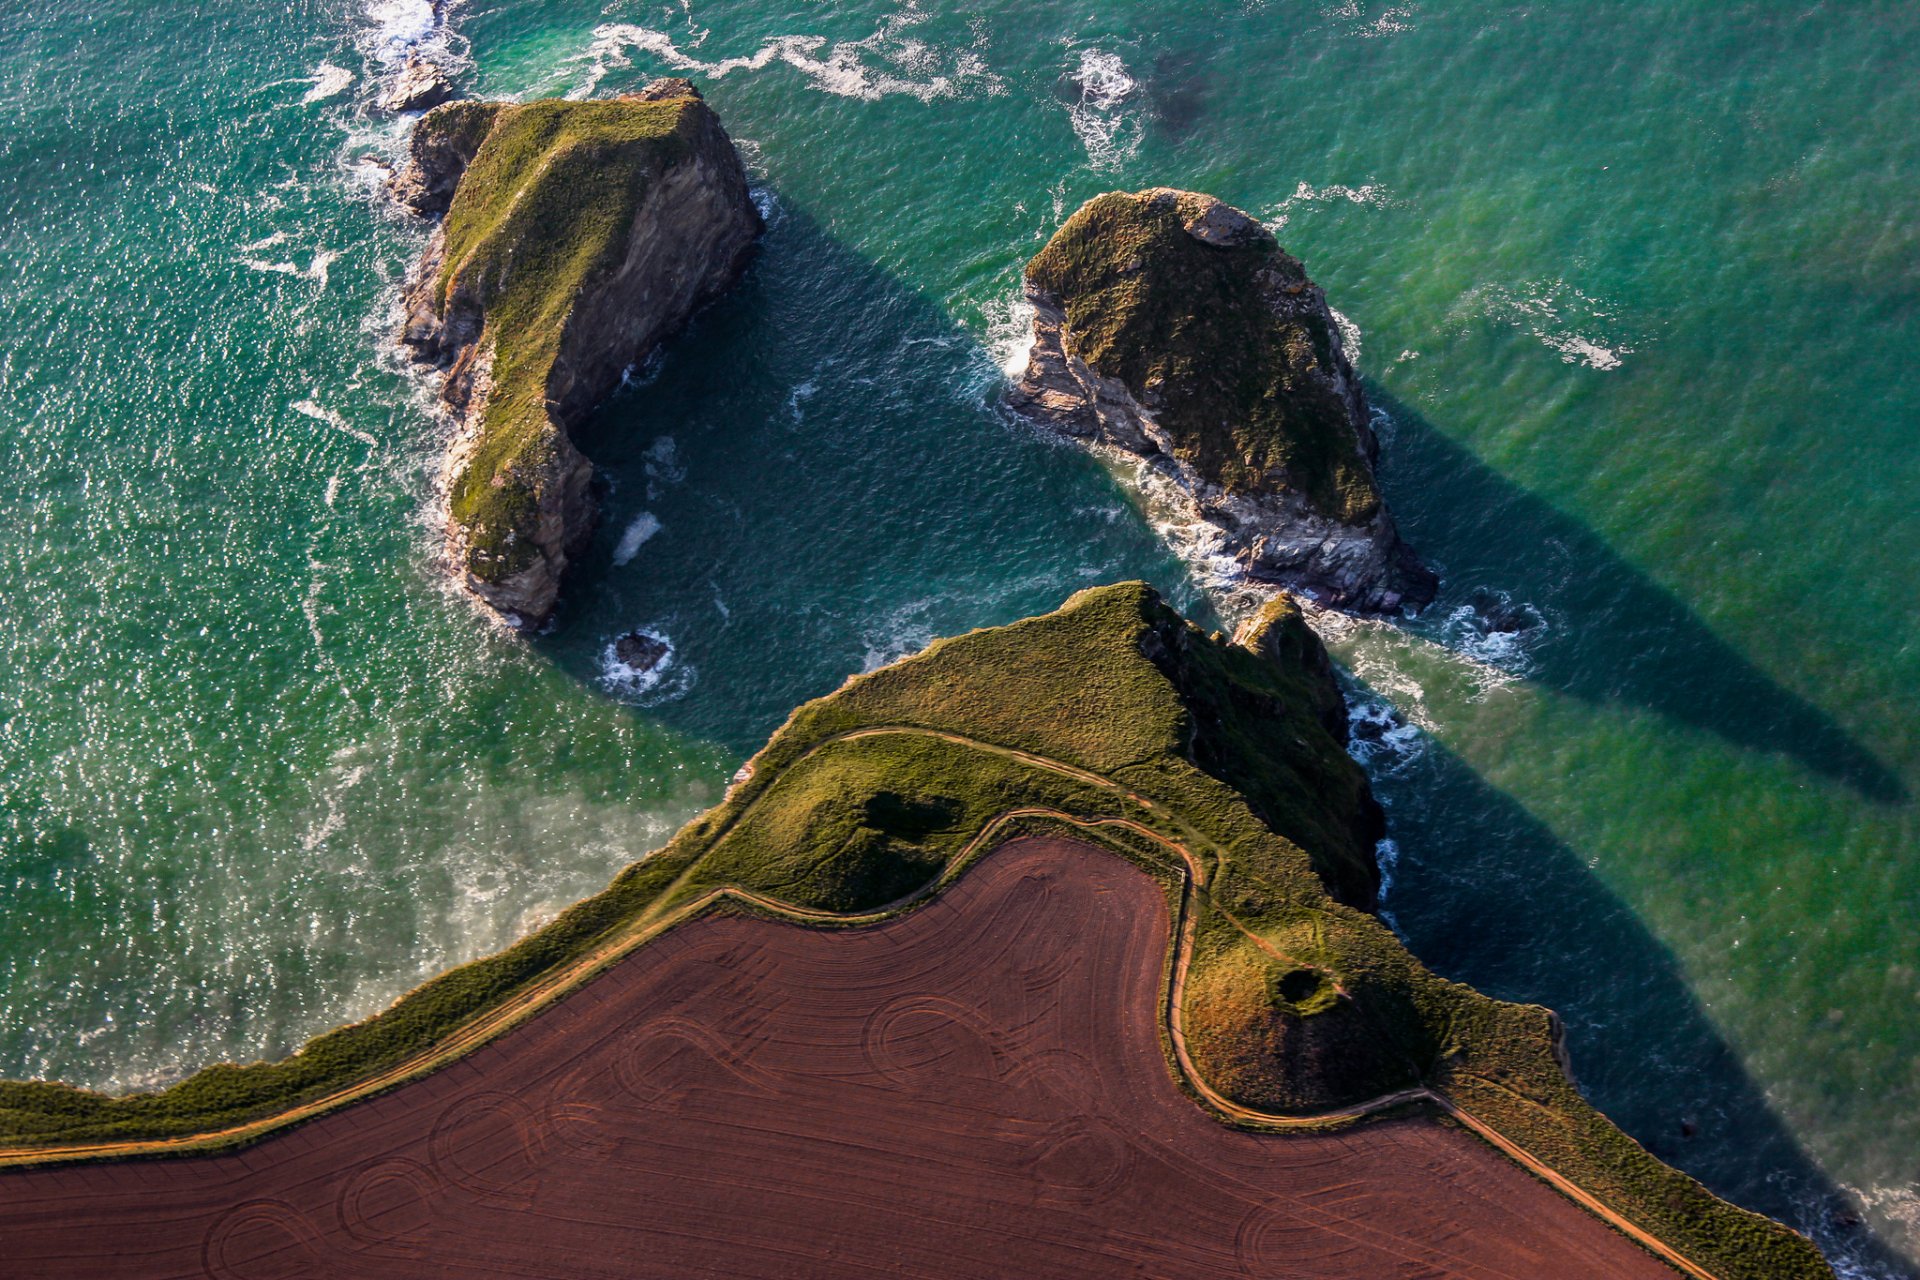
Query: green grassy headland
x,y
1218,767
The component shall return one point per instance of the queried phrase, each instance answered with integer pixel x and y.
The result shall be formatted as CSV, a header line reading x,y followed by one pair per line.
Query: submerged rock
x,y
1173,326
639,652
576,236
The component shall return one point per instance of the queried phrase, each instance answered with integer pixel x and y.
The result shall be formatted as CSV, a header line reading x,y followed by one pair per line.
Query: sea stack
x,y
576,236
1173,327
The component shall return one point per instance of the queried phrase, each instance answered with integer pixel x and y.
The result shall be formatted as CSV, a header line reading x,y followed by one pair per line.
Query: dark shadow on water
x,y
1486,894
814,450
1612,634
1179,87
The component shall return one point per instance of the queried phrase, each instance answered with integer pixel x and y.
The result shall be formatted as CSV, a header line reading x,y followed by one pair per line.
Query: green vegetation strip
x,y
1286,1007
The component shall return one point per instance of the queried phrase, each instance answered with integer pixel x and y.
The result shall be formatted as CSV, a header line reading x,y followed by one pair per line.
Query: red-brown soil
x,y
976,1089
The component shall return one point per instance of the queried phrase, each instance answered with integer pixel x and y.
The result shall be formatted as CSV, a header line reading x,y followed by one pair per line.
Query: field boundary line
x,y
498,1019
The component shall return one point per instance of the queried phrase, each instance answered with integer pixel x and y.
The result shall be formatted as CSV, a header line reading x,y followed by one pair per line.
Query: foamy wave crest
x,y
1199,544
1349,336
1562,317
1495,631
1380,738
399,29
1386,856
888,62
900,631
663,467
1371,194
644,526
328,81
1104,119
1010,332
1371,26
320,413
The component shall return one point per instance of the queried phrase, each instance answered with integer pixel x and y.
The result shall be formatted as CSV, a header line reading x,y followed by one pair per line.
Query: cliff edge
x,y
1213,765
576,236
1174,327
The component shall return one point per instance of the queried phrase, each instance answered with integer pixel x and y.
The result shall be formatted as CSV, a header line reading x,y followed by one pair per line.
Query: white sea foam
x,y
901,630
797,398
1495,631
333,488
1564,319
315,270
1381,739
320,413
644,526
663,467
1386,856
1371,194
1106,118
1010,332
888,62
1349,336
328,81
766,202
400,28
1368,25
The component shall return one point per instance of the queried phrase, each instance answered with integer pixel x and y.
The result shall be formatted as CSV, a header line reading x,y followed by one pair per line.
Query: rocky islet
x,y
574,237
1173,328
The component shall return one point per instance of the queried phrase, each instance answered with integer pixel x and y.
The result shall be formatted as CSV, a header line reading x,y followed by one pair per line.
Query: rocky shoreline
x,y
1172,327
574,238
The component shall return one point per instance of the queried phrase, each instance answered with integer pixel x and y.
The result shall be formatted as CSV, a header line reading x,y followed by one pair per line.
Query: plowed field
x,y
976,1089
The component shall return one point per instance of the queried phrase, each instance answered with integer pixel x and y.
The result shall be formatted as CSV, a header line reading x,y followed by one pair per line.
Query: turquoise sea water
x,y
1637,283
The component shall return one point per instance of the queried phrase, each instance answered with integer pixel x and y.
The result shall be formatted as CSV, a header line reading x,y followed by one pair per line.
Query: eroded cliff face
x,y
576,236
1173,327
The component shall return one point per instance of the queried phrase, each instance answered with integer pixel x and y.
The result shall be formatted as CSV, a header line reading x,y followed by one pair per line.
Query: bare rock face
x,y
442,146
419,87
576,237
1173,327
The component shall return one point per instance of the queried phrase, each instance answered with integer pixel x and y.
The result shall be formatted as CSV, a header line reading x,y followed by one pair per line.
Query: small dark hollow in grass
x,y
1297,986
909,819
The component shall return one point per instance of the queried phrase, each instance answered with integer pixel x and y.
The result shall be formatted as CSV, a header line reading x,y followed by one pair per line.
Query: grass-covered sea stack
x,y
576,236
1173,327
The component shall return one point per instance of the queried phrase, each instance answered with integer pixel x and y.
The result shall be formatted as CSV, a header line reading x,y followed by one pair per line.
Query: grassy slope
x,y
544,207
1188,324
1294,1002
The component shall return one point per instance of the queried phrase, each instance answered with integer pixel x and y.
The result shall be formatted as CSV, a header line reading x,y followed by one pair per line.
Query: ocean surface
x,y
1635,285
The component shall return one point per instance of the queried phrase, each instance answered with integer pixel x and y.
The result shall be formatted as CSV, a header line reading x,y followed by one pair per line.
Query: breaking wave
x,y
890,61
1104,118
1566,320
644,526
663,681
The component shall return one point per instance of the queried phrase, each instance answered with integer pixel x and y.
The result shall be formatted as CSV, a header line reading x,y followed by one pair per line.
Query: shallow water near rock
x,y
1636,285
